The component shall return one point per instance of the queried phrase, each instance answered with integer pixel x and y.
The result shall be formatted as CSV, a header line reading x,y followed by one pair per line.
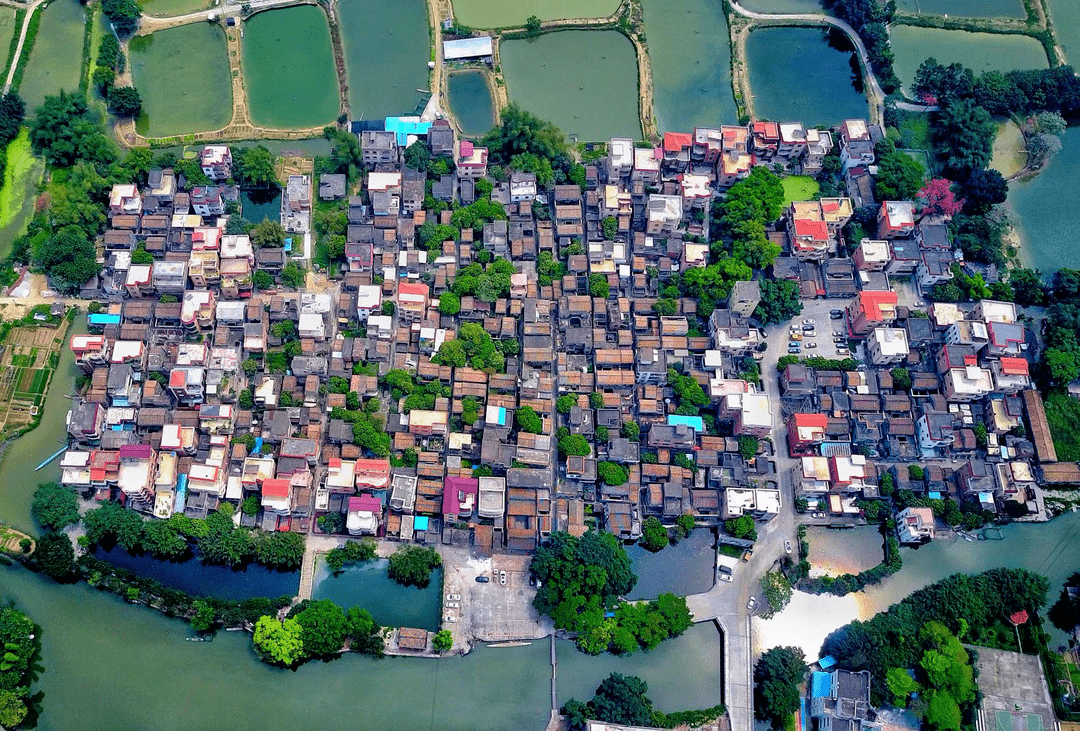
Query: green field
x,y
195,53
799,188
56,59
7,30
168,8
289,68
1063,414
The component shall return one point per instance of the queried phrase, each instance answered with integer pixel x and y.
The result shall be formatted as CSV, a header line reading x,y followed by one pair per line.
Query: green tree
x,y
442,641
279,642
630,430
417,156
331,523
654,536
256,168
204,618
748,447
114,522
741,527
901,378
250,506
574,445
528,420
55,507
777,676
124,101
532,26
55,556
13,709
268,234
262,280
777,590
323,627
294,275
964,134
779,301
519,132
449,303
899,175
564,403
610,226
123,14
612,473
942,711
412,565
684,525
901,685
622,700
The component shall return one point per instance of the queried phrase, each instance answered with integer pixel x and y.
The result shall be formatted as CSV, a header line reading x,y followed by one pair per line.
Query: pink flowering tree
x,y
938,199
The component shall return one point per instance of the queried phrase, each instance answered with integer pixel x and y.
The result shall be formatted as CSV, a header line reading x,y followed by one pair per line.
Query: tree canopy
x,y
521,132
777,676
55,507
412,565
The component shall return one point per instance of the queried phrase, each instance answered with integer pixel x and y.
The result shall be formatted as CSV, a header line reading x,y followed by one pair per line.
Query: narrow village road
x,y
877,95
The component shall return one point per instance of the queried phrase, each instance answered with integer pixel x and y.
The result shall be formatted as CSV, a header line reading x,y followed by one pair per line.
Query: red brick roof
x,y
676,141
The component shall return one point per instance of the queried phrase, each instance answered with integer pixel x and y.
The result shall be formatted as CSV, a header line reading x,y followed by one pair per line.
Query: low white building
x,y
887,346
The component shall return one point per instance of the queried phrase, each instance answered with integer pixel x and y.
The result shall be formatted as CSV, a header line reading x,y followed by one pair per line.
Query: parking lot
x,y
491,611
820,342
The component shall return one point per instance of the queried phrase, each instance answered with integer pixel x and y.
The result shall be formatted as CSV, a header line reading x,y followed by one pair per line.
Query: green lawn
x,y
799,188
1063,414
914,130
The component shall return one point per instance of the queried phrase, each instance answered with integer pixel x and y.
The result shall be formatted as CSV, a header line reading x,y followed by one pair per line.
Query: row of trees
x,y
17,639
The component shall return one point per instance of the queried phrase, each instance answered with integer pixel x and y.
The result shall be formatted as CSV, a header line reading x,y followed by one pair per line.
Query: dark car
x,y
483,579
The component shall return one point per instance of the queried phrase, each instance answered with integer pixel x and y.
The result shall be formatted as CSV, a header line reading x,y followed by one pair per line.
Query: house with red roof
x,y
363,517
677,147
372,474
471,161
277,496
412,300
1011,375
870,309
806,431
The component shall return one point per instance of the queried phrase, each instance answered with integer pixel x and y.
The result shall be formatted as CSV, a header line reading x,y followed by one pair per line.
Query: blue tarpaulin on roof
x,y
405,126
826,662
820,685
420,522
100,320
933,495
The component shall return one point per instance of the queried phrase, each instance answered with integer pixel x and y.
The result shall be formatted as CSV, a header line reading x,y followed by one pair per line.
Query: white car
x,y
453,605
453,597
502,578
787,546
808,321
450,619
751,604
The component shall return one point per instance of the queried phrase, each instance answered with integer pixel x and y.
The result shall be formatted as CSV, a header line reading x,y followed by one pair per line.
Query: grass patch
x,y
41,377
799,188
914,130
730,551
1063,414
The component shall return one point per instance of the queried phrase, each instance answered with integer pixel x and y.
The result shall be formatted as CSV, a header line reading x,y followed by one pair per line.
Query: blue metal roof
x,y
420,522
826,662
101,319
680,419
405,126
501,419
820,685
934,495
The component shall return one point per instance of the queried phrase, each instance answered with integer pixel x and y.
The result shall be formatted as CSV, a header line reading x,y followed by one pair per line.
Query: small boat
x,y
195,639
50,459
510,644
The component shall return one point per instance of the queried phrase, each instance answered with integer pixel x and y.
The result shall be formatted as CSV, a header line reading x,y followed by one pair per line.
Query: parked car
x,y
482,579
811,345
751,604
502,578
808,328
453,597
449,618
817,515
787,547
453,605
808,321
796,336
724,574
836,314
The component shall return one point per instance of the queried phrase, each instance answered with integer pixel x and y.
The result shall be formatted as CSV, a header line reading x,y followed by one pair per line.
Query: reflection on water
x,y
685,568
367,586
836,552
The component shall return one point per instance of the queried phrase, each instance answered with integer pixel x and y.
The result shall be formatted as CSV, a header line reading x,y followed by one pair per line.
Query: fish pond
x,y
978,51
965,8
1045,219
783,6
56,59
386,46
367,585
691,64
804,74
289,68
196,52
1065,15
505,13
585,82
470,101
684,568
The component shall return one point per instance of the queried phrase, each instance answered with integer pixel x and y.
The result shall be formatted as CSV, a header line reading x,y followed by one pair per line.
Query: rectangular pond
x,y
201,579
470,101
690,52
289,68
386,47
198,54
684,568
506,13
585,82
366,585
1047,220
978,51
796,75
259,205
965,8
169,8
783,6
56,59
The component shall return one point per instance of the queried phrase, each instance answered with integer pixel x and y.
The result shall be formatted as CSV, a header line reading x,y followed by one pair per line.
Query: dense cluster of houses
x,y
164,401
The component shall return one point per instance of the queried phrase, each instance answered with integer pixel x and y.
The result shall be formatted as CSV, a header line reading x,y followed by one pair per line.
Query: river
x,y
1052,549
1045,219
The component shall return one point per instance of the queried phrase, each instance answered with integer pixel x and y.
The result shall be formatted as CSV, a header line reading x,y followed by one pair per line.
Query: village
x,y
535,374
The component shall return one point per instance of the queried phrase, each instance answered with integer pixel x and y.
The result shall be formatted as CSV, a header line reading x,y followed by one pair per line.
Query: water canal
x,y
289,68
585,82
470,101
978,51
56,58
1045,219
386,53
690,52
198,54
796,75
505,13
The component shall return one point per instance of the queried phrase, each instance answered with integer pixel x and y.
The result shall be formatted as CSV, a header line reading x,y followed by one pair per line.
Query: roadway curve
x,y
876,96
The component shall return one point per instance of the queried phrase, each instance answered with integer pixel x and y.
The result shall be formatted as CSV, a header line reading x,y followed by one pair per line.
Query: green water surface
x,y
1065,15
289,68
504,13
965,8
1047,220
470,101
56,58
796,76
583,81
386,54
198,54
691,64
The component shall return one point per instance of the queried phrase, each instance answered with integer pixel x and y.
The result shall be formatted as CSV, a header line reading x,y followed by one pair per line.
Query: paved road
x,y
877,95
726,602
